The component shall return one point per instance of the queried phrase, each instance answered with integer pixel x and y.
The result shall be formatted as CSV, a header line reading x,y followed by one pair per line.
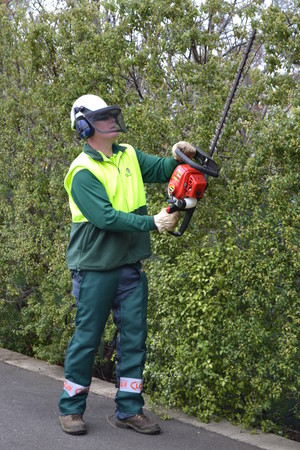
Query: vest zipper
x,y
120,174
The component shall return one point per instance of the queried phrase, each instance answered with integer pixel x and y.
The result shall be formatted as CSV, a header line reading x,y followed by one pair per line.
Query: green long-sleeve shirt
x,y
111,238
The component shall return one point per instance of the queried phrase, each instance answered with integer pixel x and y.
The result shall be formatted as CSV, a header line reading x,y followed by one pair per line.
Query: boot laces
x,y
75,417
142,417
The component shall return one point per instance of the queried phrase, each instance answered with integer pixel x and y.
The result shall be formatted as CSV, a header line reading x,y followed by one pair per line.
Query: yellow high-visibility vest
x,y
120,175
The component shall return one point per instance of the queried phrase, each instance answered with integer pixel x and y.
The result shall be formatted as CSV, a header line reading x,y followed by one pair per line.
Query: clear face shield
x,y
107,120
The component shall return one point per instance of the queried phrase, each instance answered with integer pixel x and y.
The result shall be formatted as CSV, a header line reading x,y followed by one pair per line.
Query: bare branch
x,y
240,44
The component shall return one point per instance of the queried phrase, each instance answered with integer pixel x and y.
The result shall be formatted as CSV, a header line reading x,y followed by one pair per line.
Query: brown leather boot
x,y
73,424
139,423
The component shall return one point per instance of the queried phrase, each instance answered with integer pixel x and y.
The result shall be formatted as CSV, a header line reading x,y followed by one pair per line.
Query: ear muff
x,y
83,128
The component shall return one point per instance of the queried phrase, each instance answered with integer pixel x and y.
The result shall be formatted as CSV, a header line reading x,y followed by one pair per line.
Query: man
x,y
109,239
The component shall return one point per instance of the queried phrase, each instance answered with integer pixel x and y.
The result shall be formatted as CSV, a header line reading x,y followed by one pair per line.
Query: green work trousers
x,y
125,291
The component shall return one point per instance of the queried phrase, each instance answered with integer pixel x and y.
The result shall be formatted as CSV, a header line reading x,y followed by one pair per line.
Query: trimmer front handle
x,y
205,164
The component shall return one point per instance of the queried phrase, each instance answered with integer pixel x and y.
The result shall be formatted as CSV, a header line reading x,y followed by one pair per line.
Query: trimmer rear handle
x,y
185,222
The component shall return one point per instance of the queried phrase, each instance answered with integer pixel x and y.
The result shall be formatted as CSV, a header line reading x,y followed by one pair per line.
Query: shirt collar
x,y
94,154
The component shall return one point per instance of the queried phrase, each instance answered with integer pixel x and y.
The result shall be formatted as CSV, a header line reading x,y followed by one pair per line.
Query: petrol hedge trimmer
x,y
189,181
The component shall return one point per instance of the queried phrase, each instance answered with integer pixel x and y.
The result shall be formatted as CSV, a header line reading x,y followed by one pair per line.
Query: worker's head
x,y
90,113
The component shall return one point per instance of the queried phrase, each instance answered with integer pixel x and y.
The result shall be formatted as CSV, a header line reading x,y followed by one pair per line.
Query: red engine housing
x,y
186,182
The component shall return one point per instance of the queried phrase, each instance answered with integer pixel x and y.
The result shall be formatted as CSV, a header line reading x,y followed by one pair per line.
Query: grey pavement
x,y
29,418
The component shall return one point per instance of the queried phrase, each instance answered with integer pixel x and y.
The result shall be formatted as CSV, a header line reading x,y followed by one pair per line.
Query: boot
x,y
73,424
139,423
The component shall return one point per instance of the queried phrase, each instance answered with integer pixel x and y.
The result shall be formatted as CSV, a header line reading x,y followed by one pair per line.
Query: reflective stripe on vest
x,y
120,175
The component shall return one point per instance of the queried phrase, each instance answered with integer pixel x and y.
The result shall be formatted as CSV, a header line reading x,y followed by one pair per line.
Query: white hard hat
x,y
85,102
88,109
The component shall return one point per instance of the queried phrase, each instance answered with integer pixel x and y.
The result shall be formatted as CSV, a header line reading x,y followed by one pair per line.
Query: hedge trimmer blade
x,y
231,95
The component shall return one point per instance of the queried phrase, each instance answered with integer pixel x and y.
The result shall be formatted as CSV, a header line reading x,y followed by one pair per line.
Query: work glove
x,y
186,148
165,221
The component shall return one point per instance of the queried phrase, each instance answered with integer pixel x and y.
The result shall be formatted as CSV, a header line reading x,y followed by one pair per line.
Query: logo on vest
x,y
128,173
